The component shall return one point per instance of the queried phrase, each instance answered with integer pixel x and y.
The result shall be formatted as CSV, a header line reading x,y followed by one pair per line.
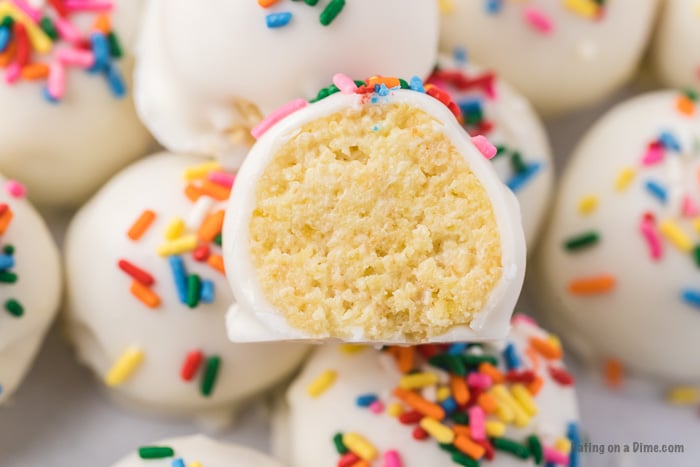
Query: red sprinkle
x,y
490,452
419,434
23,46
561,376
3,208
201,253
59,7
410,418
525,377
191,364
348,460
136,273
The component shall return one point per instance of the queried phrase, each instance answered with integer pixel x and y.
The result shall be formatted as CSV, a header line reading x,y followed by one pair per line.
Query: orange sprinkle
x,y
535,386
5,220
144,294
387,81
404,357
193,192
266,3
613,372
361,463
487,402
102,24
460,391
141,225
214,190
462,430
417,402
217,262
685,105
592,285
469,447
547,349
8,55
496,376
534,358
211,227
35,71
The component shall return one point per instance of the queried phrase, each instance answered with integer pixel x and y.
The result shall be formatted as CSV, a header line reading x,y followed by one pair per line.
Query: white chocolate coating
x,y
642,321
63,152
253,318
517,127
676,55
37,265
104,319
304,427
188,83
581,60
206,451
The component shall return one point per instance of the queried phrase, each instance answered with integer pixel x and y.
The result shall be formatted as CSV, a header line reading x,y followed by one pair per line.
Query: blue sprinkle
x,y
5,37
550,464
517,181
206,291
691,297
493,6
115,81
416,84
375,128
449,405
511,357
669,141
48,97
459,55
471,105
6,262
366,400
178,462
656,190
382,90
177,266
574,436
278,20
100,48
457,349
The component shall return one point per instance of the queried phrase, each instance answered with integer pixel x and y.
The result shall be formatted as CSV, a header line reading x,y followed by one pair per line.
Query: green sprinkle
x,y
115,46
696,254
210,373
7,22
311,2
517,163
476,360
404,84
457,365
500,150
217,239
14,307
512,447
533,443
193,290
582,241
331,11
449,447
339,446
691,94
460,418
462,459
9,249
8,277
49,28
474,118
156,452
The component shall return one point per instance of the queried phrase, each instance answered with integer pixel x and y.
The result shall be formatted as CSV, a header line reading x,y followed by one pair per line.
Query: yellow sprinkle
x,y
200,171
696,224
321,384
501,394
174,228
395,409
195,464
504,412
442,433
178,246
563,445
684,395
443,393
495,429
675,235
359,445
624,178
587,204
586,8
446,6
522,395
40,41
351,349
124,367
418,380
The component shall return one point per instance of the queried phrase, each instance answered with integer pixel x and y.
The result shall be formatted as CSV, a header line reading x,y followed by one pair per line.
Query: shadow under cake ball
x,y
68,120
617,271
147,294
676,54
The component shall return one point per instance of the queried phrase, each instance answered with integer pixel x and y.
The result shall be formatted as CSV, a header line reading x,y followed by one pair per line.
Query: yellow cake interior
x,y
371,219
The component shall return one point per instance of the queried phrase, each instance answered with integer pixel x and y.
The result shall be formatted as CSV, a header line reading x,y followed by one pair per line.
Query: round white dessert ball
x,y
677,62
618,266
30,286
379,404
561,57
147,299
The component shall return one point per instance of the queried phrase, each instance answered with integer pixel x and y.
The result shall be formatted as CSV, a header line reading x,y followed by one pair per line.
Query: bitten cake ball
x,y
30,285
147,294
67,117
202,92
618,266
195,451
371,216
562,54
504,405
676,51
492,108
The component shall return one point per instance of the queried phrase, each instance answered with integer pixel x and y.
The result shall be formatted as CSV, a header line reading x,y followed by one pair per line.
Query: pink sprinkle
x,y
538,20
57,80
12,73
344,83
68,31
88,5
15,188
552,456
392,459
484,146
376,407
655,154
479,380
276,115
648,229
222,178
520,318
477,423
690,207
33,13
76,57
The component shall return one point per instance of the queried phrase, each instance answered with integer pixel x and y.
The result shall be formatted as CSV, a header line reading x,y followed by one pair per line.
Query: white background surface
x,y
61,418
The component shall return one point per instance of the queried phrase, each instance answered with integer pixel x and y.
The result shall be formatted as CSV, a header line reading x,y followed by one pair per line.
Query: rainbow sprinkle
x,y
540,21
281,19
8,259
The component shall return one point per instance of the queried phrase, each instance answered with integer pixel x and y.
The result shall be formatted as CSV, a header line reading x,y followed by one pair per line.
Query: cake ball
x,y
195,451
147,293
203,92
563,55
676,54
617,269
29,263
371,216
68,119
492,108
506,404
